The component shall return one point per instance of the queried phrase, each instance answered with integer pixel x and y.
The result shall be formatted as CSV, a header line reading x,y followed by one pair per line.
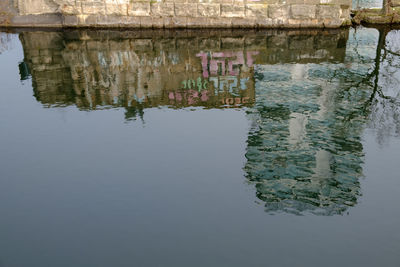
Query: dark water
x,y
192,148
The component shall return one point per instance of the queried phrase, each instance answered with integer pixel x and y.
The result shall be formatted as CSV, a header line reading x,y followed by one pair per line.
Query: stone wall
x,y
184,13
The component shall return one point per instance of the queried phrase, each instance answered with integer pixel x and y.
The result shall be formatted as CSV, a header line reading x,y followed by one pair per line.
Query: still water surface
x,y
192,148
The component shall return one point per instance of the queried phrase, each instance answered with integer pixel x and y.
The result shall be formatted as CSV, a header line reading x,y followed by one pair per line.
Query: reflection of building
x,y
304,152
135,70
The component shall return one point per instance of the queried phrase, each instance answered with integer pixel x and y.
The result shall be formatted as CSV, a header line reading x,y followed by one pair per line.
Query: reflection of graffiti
x,y
230,73
235,101
225,71
190,97
230,83
217,63
192,83
103,69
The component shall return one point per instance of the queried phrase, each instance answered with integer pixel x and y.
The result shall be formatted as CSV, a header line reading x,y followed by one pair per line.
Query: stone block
x,y
177,1
344,12
70,9
36,7
232,11
70,20
175,22
117,7
186,10
90,20
395,3
278,12
93,8
218,1
268,2
295,2
157,22
256,11
162,9
264,23
146,22
109,20
329,11
139,9
244,23
208,10
332,23
201,22
131,21
303,11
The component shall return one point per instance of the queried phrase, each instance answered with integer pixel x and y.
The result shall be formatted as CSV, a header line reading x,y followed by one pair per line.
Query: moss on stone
x,y
375,16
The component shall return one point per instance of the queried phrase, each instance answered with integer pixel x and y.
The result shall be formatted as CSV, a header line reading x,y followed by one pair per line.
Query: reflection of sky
x,y
357,4
5,41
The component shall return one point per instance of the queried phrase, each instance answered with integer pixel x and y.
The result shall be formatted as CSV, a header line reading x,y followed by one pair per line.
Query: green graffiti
x,y
198,83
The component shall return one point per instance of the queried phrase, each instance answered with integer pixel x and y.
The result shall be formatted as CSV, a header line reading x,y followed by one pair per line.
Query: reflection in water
x,y
94,70
384,104
137,70
308,95
5,42
304,150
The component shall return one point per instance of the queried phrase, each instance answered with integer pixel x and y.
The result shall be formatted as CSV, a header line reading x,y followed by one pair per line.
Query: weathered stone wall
x,y
187,13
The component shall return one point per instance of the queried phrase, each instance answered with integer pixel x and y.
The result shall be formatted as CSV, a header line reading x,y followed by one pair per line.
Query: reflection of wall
x,y
304,152
95,69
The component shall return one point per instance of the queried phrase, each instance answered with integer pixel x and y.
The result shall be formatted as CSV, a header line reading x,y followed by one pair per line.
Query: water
x,y
200,148
360,4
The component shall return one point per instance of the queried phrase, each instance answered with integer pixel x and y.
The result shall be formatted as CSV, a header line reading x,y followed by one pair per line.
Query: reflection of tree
x,y
381,80
384,104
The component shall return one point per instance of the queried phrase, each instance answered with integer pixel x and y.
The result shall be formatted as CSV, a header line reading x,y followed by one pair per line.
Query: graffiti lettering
x,y
191,84
217,63
230,101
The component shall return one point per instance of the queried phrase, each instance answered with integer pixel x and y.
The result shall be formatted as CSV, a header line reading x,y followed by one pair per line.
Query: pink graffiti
x,y
218,62
204,63
239,61
204,95
191,96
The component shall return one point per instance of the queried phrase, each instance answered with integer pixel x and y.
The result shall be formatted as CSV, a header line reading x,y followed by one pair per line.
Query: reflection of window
x,y
24,72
